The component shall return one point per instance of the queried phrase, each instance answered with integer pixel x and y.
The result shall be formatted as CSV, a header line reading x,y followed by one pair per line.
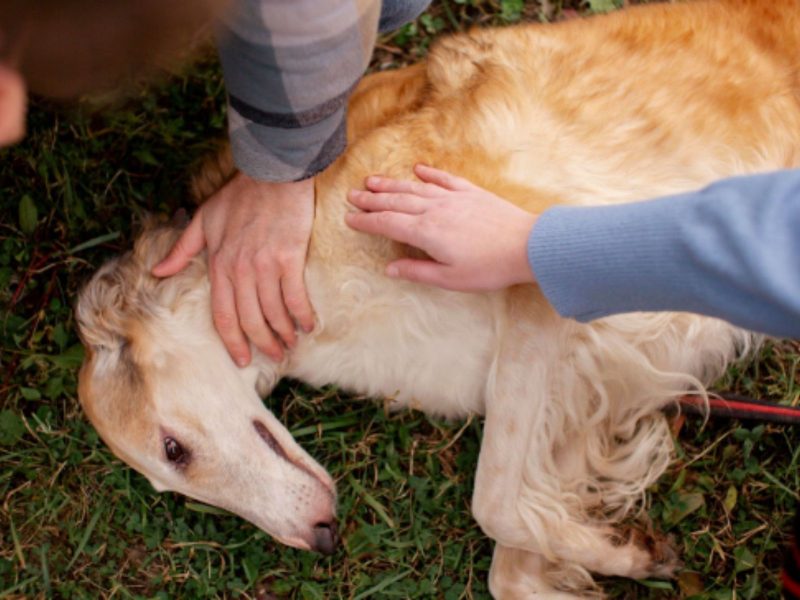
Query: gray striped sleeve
x,y
289,66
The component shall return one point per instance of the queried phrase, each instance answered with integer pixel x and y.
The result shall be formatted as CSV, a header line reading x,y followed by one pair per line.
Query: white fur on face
x,y
240,457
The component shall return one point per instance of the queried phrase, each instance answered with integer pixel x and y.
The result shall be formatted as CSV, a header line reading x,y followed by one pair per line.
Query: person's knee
x,y
395,13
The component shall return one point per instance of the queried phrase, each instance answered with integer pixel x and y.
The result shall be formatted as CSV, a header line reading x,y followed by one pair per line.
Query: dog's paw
x,y
663,561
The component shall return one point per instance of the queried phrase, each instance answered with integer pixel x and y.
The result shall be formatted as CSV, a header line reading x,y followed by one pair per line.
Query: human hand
x,y
13,105
476,240
257,237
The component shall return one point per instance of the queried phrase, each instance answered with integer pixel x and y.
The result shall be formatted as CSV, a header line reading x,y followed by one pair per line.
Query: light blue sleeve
x,y
731,251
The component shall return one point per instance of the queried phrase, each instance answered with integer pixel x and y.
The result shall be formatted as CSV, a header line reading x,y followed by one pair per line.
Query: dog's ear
x,y
105,311
103,307
111,312
153,244
113,391
111,382
122,290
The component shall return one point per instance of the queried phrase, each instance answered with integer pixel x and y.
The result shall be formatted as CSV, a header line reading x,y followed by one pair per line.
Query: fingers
x,y
265,302
282,292
296,298
397,226
223,311
273,309
422,271
395,201
441,178
407,193
388,185
191,242
249,305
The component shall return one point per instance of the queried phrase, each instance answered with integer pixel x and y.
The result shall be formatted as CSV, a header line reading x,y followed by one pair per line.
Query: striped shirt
x,y
289,67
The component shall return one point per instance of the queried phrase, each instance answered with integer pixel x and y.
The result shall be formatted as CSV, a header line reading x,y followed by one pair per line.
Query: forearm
x,y
289,66
730,251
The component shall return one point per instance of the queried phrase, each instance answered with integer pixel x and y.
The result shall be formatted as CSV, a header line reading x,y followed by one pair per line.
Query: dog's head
x,y
162,391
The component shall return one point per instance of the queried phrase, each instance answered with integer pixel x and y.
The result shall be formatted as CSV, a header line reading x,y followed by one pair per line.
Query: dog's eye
x,y
175,452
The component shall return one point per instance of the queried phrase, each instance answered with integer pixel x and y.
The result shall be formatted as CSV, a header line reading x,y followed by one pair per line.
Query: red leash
x,y
740,407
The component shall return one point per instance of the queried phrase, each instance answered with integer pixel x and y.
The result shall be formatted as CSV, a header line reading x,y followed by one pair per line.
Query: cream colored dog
x,y
649,101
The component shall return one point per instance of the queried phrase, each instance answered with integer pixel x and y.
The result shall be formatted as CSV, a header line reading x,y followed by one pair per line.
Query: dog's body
x,y
650,101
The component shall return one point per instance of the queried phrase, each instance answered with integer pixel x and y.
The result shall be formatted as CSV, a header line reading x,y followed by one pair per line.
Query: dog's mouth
x,y
274,445
324,535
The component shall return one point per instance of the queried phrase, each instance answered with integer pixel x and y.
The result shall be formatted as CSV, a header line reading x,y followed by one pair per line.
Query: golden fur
x,y
652,100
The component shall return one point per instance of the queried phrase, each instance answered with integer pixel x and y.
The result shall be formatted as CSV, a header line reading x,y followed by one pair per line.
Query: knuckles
x,y
242,267
287,259
262,264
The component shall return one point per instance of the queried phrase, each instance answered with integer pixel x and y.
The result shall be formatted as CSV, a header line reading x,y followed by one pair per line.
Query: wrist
x,y
295,190
522,266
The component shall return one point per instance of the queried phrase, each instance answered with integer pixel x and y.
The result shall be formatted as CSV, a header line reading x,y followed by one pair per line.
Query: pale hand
x,y
13,105
257,237
476,240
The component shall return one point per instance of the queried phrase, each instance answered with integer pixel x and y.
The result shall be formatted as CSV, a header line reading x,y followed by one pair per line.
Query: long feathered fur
x,y
654,100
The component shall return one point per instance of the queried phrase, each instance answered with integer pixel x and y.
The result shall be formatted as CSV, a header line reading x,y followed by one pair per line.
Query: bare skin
x,y
257,237
13,106
476,240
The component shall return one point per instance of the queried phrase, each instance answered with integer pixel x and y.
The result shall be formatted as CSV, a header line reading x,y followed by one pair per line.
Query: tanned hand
x,y
257,236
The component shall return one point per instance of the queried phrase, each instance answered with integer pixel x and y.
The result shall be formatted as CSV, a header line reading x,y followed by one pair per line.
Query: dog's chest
x,y
419,348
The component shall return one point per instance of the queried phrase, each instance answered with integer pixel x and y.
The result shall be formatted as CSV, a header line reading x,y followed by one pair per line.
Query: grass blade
x,y
371,501
383,585
84,540
100,239
17,545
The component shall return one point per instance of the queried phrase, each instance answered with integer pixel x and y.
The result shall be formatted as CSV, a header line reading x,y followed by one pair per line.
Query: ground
x,y
76,523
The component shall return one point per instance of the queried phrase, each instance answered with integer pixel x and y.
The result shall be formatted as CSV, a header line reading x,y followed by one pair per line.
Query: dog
x,y
649,101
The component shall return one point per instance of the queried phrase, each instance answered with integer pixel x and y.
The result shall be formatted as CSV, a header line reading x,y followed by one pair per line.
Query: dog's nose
x,y
326,538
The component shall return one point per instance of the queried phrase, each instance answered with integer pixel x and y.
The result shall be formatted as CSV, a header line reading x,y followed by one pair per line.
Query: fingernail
x,y
392,271
308,328
242,361
373,180
353,193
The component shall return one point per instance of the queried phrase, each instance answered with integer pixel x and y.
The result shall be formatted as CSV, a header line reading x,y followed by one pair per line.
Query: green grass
x,y
76,523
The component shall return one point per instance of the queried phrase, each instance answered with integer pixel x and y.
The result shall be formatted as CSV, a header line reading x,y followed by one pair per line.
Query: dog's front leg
x,y
520,575
517,395
520,498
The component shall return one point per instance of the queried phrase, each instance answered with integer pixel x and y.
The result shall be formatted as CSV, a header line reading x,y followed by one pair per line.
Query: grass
x,y
76,523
